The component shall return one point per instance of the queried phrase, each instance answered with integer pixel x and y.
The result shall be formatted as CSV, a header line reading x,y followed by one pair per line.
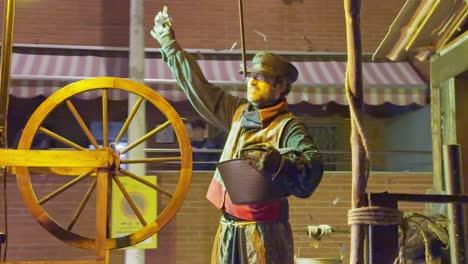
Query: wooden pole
x,y
242,35
137,129
453,173
5,65
436,133
358,156
102,210
7,46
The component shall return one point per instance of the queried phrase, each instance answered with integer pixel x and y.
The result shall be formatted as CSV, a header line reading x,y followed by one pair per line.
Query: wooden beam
x,y
436,131
54,262
448,111
454,183
397,30
450,61
5,68
424,198
102,209
55,158
461,13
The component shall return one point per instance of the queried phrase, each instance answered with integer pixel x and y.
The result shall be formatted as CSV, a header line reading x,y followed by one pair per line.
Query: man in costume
x,y
256,232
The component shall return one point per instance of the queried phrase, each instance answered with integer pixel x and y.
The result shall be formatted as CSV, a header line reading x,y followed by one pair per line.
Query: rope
x,y
357,122
374,215
237,223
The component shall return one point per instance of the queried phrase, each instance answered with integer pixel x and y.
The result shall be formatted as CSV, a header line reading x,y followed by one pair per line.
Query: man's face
x,y
262,90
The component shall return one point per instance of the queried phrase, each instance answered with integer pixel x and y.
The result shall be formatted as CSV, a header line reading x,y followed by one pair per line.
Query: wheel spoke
x,y
149,160
129,200
105,131
65,187
82,124
61,139
145,182
128,120
82,204
145,137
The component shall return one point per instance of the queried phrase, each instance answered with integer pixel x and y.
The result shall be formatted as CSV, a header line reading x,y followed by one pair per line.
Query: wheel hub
x,y
114,159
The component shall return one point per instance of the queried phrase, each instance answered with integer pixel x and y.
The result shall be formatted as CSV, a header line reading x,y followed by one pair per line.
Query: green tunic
x,y
261,241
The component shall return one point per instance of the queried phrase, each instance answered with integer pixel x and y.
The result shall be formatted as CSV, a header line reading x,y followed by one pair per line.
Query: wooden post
x,y
436,130
5,65
7,47
383,239
354,82
102,209
138,127
453,174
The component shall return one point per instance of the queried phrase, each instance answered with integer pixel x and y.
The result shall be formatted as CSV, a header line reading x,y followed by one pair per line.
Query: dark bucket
x,y
246,185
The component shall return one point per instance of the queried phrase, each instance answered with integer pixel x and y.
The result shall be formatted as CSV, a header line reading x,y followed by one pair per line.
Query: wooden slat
x,y
55,262
423,198
61,171
55,158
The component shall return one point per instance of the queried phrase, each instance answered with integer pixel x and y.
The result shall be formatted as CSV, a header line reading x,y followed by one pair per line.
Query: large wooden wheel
x,y
99,178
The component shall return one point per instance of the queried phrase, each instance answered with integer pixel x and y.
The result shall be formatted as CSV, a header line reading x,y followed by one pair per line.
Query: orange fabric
x,y
267,114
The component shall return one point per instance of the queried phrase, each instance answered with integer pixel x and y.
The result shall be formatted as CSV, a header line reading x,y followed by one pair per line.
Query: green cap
x,y
273,65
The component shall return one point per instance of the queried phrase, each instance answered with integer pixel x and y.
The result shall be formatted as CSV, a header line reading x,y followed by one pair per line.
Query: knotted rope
x,y
374,215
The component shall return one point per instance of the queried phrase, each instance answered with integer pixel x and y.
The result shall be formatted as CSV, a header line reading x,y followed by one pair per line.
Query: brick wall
x,y
188,237
208,24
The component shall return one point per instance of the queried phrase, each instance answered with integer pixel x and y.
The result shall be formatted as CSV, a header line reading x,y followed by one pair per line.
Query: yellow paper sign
x,y
124,220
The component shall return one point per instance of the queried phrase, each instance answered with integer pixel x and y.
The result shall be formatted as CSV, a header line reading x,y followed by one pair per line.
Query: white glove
x,y
162,30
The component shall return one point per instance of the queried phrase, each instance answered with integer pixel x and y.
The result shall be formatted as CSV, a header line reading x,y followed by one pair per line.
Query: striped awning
x,y
319,82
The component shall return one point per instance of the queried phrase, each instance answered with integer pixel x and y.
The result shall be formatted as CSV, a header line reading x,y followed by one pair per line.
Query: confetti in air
x,y
261,34
233,46
309,43
337,199
306,39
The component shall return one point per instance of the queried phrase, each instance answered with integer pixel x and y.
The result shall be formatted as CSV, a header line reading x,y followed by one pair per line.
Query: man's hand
x,y
265,158
162,30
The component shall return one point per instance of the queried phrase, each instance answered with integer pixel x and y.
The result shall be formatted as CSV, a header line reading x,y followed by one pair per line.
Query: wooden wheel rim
x,y
24,179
